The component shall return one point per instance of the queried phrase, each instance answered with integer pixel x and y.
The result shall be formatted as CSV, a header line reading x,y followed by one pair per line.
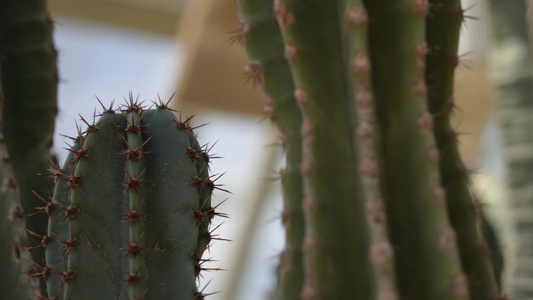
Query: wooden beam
x,y
160,19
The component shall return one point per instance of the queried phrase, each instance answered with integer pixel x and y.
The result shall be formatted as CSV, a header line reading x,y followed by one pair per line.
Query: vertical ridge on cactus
x,y
441,61
336,237
427,263
381,251
270,61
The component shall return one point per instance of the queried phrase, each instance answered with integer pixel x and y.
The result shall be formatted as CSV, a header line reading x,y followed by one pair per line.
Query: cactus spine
x,y
127,210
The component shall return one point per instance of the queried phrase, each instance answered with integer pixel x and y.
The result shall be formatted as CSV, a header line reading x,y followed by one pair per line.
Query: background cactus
x,y
376,61
29,82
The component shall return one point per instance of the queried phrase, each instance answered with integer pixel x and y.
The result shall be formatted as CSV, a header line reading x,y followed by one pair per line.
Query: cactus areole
x,y
131,208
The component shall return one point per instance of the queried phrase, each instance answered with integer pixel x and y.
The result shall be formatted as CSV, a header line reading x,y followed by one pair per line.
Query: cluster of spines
x,y
60,241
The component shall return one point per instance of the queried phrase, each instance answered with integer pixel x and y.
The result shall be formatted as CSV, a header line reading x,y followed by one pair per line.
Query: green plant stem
x,y
272,72
29,80
14,257
382,254
440,66
336,243
427,262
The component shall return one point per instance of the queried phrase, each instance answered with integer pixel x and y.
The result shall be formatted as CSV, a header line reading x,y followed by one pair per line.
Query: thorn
x,y
105,110
459,15
44,240
92,127
70,244
46,209
134,154
254,73
164,105
132,105
238,35
133,127
133,215
184,125
132,279
134,183
138,298
133,248
71,212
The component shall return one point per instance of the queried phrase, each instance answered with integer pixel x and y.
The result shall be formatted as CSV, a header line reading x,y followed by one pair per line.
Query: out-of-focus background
x,y
108,48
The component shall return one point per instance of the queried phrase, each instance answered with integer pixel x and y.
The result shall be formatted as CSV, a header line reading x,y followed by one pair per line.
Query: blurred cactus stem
x,y
15,260
29,80
381,249
441,61
336,235
269,69
427,260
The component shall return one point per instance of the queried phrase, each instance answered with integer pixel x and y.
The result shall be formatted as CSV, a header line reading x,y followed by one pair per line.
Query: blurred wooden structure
x,y
213,74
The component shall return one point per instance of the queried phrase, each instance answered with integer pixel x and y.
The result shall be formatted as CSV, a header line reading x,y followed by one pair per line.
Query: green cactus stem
x,y
130,196
512,75
336,243
381,250
15,259
270,69
427,262
441,61
29,80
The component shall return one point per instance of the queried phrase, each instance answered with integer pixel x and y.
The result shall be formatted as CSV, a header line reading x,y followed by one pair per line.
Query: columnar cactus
x,y
15,258
29,81
363,73
131,208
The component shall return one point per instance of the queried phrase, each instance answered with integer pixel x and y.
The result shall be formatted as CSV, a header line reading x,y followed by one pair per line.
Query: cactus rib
x,y
271,71
381,252
336,238
440,66
419,229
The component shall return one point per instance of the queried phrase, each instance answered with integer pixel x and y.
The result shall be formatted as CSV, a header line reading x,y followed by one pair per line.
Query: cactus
x,y
14,256
440,66
267,61
131,208
363,73
29,82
